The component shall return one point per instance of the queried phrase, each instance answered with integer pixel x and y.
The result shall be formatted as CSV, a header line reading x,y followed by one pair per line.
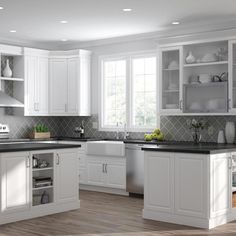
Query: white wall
x,y
141,45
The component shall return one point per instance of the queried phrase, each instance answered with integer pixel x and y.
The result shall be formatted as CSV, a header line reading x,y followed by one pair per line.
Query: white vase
x,y
230,132
190,58
7,72
221,137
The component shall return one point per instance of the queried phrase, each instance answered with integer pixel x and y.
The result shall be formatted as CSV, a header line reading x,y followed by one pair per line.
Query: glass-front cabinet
x,y
170,83
232,76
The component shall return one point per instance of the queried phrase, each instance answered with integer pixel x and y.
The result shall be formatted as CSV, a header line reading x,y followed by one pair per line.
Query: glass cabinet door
x,y
170,80
233,71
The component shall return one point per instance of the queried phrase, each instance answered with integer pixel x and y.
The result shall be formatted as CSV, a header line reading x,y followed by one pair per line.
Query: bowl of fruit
x,y
155,135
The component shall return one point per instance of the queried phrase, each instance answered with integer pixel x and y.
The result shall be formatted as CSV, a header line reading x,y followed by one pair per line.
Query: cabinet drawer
x,y
82,159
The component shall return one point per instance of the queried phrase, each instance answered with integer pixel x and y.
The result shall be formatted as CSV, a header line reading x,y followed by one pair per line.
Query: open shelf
x,y
42,169
171,91
174,69
206,63
45,187
12,79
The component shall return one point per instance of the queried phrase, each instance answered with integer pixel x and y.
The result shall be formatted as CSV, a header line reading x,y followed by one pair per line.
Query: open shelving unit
x,y
12,88
43,178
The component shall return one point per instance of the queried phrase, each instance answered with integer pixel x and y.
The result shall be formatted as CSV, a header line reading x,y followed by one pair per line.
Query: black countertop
x,y
189,147
17,147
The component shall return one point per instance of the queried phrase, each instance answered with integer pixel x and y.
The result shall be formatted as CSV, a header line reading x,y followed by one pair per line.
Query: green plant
x,y
40,128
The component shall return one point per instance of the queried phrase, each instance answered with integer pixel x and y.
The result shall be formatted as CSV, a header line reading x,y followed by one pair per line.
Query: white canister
x,y
221,137
7,72
230,132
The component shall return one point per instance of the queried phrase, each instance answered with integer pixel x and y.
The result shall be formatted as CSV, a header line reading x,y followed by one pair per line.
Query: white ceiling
x,y
39,20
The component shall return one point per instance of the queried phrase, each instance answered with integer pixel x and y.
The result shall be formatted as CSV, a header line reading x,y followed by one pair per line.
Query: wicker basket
x,y
41,135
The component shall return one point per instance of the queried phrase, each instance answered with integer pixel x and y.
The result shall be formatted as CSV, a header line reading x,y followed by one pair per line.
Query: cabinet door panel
x,y
96,172
116,175
58,86
67,176
31,65
42,86
191,185
73,89
159,181
15,182
220,184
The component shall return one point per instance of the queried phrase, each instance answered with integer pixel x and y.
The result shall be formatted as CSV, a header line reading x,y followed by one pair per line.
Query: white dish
x,y
195,106
171,106
209,57
204,78
173,65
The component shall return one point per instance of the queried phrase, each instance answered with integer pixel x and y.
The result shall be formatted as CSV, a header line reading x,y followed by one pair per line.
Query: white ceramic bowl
x,y
209,57
173,65
204,78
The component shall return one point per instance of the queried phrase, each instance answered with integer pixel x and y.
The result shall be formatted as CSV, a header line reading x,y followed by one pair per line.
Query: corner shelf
x,y
206,64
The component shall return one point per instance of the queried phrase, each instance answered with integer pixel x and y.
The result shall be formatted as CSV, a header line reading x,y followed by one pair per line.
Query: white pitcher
x,y
230,132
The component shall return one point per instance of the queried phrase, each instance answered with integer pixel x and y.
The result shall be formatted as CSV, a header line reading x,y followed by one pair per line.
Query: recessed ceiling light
x,y
64,21
175,23
12,31
127,9
64,40
1,8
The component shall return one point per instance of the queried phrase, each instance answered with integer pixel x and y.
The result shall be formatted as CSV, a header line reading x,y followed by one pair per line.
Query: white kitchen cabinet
x,y
191,185
116,174
189,188
15,182
96,172
36,82
171,100
66,176
106,172
58,86
159,182
70,83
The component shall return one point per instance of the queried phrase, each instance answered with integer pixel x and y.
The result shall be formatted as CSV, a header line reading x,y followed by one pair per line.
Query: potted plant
x,y
196,126
41,132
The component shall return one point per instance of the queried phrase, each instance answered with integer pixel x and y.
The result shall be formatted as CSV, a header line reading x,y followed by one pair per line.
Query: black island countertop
x,y
189,147
27,146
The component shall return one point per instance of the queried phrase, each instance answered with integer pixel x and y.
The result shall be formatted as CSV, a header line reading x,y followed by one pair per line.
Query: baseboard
x,y
103,189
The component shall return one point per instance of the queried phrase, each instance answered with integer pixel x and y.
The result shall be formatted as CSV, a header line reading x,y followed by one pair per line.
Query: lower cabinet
x,y
15,182
30,189
66,176
189,189
106,172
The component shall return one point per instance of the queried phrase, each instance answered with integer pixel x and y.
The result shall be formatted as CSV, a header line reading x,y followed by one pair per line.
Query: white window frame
x,y
128,57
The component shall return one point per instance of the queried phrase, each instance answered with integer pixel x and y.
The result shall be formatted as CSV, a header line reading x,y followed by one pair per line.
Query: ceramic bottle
x,y
230,132
7,72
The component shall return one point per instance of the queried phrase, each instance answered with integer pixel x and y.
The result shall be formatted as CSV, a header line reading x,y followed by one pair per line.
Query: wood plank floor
x,y
105,215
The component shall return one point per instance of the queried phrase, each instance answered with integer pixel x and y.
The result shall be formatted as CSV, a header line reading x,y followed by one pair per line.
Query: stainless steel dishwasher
x,y
135,168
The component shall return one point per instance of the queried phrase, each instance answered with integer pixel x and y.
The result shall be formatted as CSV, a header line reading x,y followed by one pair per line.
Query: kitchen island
x,y
37,179
190,184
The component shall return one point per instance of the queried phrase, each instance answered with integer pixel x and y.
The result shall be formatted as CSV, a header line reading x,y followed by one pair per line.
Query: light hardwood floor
x,y
105,215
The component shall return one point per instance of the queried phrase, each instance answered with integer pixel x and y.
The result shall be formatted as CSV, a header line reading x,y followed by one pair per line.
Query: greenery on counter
x,y
40,128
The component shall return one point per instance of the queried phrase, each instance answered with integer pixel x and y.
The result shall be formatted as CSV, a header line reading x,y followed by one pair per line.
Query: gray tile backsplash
x,y
174,127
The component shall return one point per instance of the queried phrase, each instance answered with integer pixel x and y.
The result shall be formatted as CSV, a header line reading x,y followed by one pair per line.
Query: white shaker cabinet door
x,y
31,68
116,174
96,172
58,86
191,185
159,181
15,187
67,176
73,88
42,86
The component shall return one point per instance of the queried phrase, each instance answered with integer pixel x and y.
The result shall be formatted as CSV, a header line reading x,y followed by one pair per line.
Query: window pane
x,y
114,97
144,92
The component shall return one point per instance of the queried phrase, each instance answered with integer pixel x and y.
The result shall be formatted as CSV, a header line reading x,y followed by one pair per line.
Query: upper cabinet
x,y
69,89
57,83
170,83
36,82
198,78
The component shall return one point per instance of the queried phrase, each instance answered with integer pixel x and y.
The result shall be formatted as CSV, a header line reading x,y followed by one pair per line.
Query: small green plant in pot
x,y
41,131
